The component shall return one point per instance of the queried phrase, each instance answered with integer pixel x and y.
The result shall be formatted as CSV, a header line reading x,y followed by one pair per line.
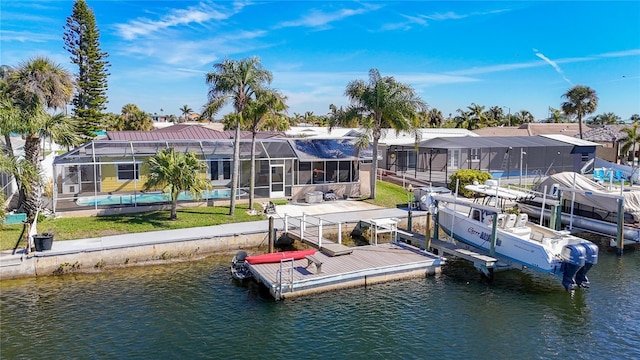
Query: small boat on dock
x,y
516,240
239,269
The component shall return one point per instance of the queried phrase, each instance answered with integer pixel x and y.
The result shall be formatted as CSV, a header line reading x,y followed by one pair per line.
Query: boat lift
x,y
487,262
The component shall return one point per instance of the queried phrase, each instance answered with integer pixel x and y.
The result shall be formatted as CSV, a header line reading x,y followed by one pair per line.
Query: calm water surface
x,y
195,310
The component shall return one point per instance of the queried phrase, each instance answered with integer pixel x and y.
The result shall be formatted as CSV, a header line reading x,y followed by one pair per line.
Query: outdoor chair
x,y
619,177
600,176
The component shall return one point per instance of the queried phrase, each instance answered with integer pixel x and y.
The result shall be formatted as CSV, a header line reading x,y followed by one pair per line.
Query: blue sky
x,y
518,55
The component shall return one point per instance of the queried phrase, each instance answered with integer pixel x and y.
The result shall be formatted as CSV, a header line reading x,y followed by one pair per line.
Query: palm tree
x,y
581,101
476,112
631,138
186,111
494,115
61,129
556,116
236,81
607,119
382,103
436,119
176,172
465,121
524,117
35,86
268,104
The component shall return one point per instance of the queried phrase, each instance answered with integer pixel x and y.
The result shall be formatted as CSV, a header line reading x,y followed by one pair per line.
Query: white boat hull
x,y
518,241
513,248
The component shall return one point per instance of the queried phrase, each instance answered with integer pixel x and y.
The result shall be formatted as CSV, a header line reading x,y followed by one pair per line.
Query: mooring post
x,y
302,226
319,233
494,234
427,233
286,223
558,223
620,233
436,225
340,233
272,235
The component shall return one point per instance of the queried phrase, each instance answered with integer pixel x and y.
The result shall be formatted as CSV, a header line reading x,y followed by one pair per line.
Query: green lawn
x,y
90,227
388,195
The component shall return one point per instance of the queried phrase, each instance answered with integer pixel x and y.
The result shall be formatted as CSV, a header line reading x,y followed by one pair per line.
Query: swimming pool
x,y
149,198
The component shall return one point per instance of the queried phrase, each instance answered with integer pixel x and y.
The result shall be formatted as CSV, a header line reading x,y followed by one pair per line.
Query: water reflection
x,y
196,310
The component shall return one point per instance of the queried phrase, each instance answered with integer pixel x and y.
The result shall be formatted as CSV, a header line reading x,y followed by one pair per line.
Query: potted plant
x,y
43,241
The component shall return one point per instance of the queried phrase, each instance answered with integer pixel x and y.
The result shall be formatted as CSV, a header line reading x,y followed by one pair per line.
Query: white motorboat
x,y
517,240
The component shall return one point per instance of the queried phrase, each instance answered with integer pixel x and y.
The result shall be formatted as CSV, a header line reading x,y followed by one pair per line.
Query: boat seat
x,y
511,221
522,220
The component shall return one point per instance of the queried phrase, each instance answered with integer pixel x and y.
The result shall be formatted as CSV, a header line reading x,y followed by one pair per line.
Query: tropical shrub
x,y
467,177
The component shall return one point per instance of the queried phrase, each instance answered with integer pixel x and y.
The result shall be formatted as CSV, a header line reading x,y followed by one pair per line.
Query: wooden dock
x,y
365,265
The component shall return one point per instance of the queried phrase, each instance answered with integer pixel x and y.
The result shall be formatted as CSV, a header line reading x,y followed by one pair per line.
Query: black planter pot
x,y
43,242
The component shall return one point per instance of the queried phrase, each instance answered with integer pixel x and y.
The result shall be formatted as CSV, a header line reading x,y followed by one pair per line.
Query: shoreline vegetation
x,y
389,195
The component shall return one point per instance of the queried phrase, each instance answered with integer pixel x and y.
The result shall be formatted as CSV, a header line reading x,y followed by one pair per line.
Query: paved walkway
x,y
342,211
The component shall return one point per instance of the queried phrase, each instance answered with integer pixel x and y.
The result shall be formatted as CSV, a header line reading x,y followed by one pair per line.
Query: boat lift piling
x,y
487,264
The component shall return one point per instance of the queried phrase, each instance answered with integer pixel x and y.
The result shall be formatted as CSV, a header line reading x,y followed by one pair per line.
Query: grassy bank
x,y
90,227
388,195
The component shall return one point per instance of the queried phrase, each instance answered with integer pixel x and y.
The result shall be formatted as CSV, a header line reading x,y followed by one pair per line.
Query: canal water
x,y
195,310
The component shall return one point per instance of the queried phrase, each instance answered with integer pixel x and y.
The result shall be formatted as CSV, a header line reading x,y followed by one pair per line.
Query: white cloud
x,y
195,14
422,20
27,36
320,19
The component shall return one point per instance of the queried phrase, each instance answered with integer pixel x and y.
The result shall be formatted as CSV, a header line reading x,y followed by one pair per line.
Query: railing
x,y
311,227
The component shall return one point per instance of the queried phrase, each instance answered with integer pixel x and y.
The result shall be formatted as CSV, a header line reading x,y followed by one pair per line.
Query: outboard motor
x,y
574,257
591,253
239,258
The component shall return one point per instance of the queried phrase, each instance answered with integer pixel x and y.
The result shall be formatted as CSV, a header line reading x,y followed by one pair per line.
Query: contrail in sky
x,y
552,63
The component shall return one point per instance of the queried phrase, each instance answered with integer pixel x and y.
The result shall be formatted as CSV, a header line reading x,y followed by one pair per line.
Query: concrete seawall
x,y
138,249
46,263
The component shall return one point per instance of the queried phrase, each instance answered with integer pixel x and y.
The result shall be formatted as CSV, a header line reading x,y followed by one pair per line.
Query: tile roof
x,y
605,133
531,129
185,132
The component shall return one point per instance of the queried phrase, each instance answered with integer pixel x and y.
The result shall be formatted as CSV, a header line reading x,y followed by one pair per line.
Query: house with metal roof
x,y
504,157
110,173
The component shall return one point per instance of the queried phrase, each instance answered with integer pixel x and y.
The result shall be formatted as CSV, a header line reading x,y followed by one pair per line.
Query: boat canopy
x,y
590,193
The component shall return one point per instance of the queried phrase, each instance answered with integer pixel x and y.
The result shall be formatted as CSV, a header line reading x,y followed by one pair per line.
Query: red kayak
x,y
276,257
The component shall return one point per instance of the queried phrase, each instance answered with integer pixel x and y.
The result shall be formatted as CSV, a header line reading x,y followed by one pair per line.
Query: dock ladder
x,y
285,277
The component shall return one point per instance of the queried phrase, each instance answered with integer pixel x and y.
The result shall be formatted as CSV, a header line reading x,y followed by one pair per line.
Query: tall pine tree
x,y
82,40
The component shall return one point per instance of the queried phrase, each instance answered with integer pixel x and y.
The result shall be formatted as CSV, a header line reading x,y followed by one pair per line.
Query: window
x,y
318,172
129,172
475,154
220,169
304,173
345,168
332,171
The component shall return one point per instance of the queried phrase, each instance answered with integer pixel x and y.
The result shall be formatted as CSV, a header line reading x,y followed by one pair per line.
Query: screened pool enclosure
x,y
112,173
